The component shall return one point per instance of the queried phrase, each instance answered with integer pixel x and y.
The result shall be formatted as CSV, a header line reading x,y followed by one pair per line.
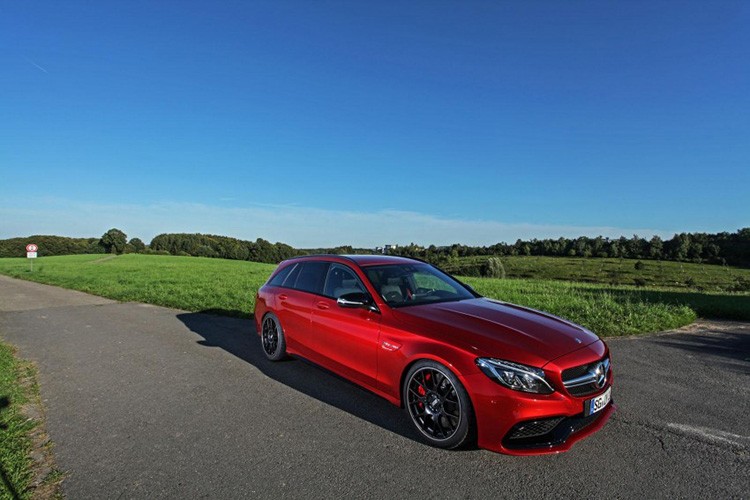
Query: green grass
x,y
682,275
15,428
609,312
228,287
189,283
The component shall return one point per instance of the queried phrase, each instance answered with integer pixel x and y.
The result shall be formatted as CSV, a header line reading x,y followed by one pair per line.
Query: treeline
x,y
222,247
51,245
113,241
719,248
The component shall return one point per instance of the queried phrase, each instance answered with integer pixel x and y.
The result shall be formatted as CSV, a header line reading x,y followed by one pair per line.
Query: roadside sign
x,y
31,254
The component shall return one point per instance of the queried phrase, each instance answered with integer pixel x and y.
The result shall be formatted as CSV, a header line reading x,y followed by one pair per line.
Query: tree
x,y
636,247
114,241
138,245
655,247
680,246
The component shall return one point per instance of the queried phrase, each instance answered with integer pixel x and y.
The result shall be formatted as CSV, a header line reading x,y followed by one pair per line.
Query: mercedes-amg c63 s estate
x,y
464,367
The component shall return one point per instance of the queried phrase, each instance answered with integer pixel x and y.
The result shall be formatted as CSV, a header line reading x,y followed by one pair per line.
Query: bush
x,y
493,268
740,285
149,251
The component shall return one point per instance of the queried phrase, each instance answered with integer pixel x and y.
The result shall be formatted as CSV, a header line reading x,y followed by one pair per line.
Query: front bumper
x,y
519,423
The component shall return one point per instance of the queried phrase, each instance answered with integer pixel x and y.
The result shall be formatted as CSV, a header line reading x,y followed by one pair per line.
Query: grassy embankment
x,y
18,388
228,287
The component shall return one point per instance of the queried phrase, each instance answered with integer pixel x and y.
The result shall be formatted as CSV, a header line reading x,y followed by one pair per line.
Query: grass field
x,y
650,273
189,283
15,428
228,287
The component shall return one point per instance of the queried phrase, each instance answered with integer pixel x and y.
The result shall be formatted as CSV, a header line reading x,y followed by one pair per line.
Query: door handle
x,y
322,305
283,296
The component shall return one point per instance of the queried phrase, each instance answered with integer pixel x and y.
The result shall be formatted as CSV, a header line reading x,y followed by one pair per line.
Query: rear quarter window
x,y
279,278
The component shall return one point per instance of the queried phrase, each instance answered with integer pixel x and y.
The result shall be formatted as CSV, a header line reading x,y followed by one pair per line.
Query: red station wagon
x,y
465,367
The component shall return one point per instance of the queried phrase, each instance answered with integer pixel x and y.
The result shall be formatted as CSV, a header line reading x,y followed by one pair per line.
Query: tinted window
x,y
342,280
292,276
279,278
311,277
403,285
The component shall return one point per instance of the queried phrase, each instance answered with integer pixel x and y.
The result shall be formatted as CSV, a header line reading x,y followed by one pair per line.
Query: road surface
x,y
144,401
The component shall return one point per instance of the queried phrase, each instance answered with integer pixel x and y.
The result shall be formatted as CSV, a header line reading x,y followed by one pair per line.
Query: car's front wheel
x,y
272,338
438,405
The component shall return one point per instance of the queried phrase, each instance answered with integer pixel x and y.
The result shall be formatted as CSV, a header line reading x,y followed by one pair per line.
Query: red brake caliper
x,y
423,393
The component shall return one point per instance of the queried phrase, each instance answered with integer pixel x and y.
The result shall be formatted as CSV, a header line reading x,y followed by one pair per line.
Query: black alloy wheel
x,y
272,338
438,405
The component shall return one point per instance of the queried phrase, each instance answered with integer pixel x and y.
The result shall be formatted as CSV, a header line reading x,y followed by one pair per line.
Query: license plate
x,y
596,404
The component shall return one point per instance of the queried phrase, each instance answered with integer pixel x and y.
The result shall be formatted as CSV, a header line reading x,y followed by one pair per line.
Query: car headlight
x,y
515,376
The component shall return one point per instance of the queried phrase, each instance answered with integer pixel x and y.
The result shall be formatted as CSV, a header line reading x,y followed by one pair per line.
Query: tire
x,y
438,405
272,339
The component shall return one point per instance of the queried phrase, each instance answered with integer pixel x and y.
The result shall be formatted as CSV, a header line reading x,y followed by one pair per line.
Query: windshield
x,y
403,285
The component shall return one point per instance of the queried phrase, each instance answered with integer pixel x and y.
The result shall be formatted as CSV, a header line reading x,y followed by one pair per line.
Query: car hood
x,y
490,328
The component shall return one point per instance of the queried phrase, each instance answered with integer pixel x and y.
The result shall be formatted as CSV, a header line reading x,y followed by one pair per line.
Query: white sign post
x,y
31,250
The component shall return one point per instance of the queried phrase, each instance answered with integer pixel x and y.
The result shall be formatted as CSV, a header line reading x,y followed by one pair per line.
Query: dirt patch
x,y
103,259
46,478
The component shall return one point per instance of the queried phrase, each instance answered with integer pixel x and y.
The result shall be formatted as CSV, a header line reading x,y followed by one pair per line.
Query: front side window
x,y
341,280
413,284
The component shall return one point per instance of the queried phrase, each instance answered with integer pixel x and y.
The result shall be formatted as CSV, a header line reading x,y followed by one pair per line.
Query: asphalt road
x,y
144,401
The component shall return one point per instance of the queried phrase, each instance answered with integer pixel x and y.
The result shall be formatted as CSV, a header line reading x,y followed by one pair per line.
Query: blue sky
x,y
326,123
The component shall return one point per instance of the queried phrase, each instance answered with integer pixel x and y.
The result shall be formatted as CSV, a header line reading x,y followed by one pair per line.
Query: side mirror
x,y
355,300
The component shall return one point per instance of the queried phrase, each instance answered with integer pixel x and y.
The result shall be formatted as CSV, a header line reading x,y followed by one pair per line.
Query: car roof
x,y
374,259
360,260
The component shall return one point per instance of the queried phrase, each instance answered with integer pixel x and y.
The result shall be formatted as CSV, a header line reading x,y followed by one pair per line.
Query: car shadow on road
x,y
237,337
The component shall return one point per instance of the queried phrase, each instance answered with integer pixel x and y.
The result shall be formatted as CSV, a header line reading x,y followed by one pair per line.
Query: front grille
x,y
586,379
583,390
576,371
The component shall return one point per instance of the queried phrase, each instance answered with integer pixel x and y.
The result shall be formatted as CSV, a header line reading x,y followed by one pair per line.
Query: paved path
x,y
144,401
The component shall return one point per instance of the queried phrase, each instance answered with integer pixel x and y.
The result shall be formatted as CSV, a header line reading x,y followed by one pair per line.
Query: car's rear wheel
x,y
438,405
272,338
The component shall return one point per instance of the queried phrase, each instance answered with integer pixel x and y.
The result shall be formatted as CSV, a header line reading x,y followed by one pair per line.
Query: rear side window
x,y
311,277
279,278
292,277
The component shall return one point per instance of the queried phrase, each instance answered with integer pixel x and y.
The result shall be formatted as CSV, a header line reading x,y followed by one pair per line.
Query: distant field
x,y
189,283
228,287
651,273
